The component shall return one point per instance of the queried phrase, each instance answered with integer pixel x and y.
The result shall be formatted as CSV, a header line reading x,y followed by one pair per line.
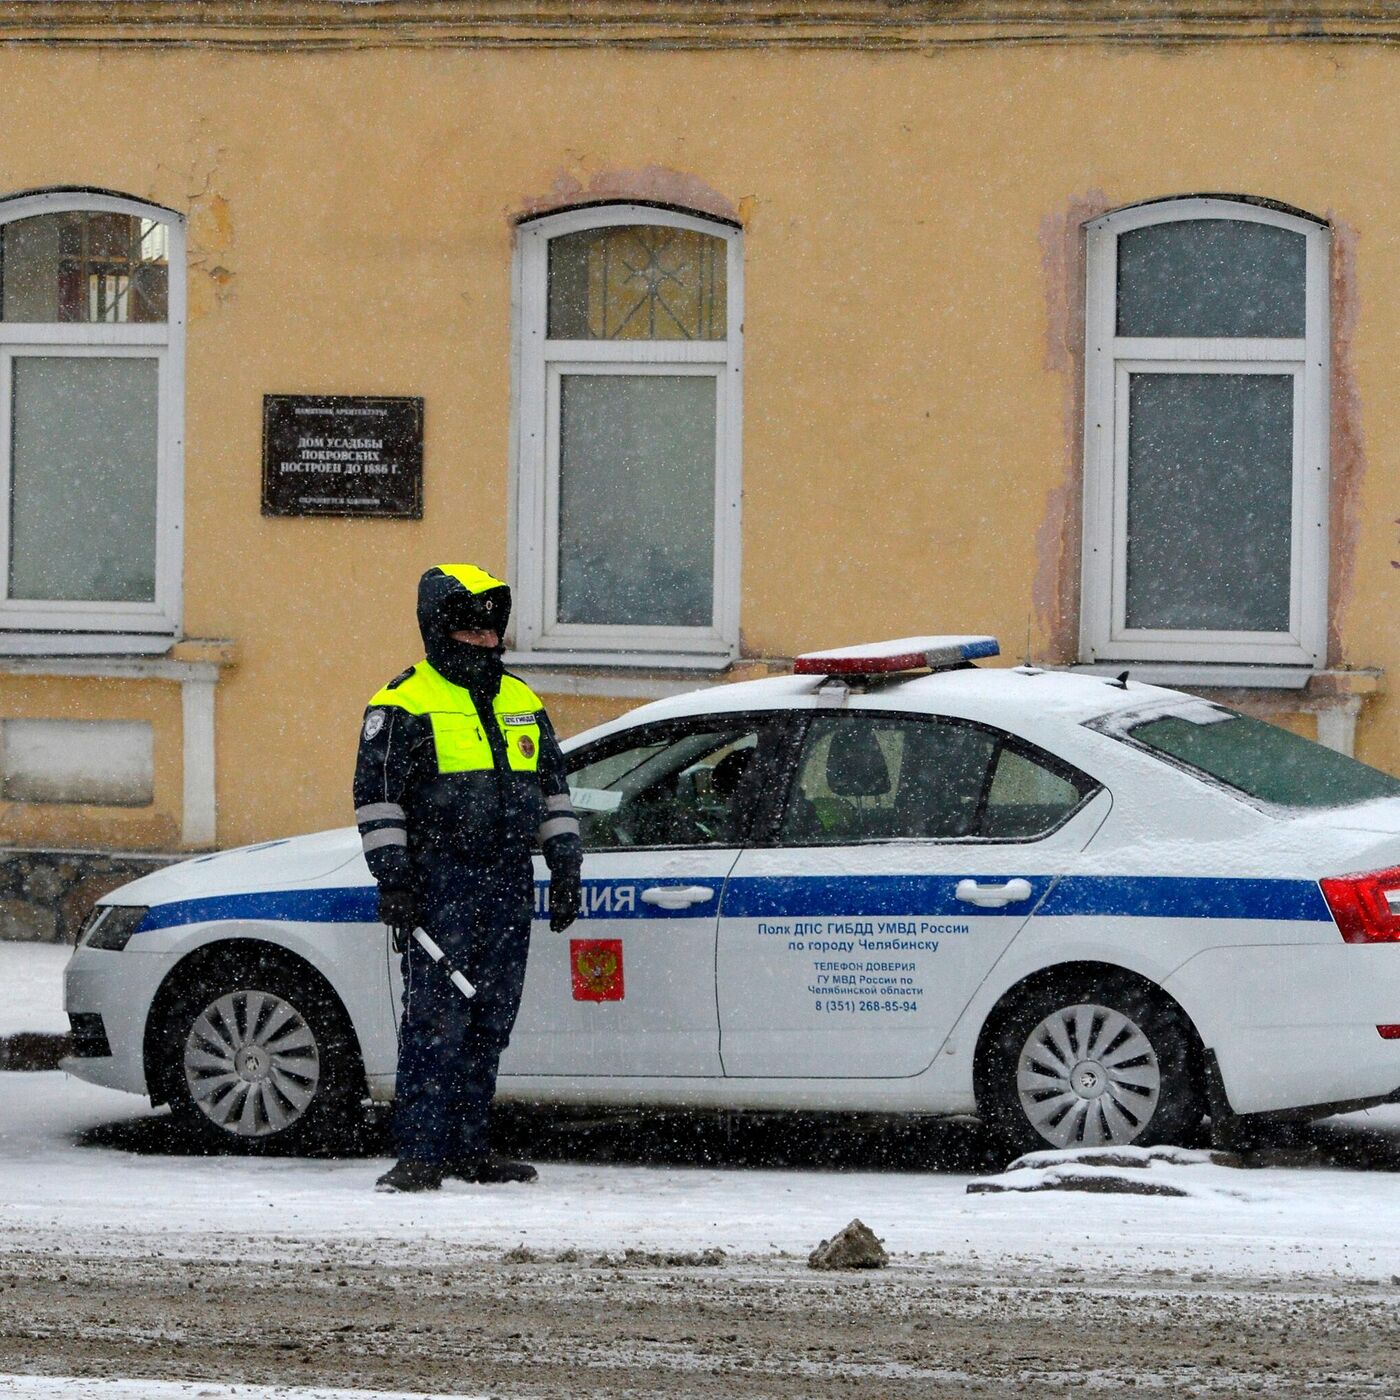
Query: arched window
x,y
91,354
1206,367
627,447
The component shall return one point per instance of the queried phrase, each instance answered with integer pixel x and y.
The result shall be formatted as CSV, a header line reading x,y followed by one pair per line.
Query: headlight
x,y
110,926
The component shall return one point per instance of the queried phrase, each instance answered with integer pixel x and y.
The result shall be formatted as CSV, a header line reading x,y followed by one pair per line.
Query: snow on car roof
x,y
986,691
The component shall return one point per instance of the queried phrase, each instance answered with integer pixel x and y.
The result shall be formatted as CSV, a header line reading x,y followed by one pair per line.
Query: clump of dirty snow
x,y
855,1247
665,1259
1126,1171
1131,1157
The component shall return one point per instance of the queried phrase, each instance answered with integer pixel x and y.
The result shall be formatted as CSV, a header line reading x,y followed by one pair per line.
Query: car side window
x,y
1027,798
695,786
872,777
885,777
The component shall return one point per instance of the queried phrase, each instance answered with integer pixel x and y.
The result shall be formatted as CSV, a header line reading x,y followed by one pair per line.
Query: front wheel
x,y
258,1060
1105,1064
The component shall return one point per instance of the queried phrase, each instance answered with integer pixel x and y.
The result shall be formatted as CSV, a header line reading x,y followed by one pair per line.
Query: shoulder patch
x,y
374,722
400,678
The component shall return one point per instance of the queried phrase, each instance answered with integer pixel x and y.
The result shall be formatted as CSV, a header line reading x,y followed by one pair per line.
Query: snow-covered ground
x,y
1274,1222
58,1190
31,986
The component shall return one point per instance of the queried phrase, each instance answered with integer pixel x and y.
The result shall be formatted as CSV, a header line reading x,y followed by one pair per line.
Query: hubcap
x,y
251,1063
1088,1077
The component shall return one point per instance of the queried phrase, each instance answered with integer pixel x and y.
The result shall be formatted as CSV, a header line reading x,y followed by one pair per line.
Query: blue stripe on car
x,y
875,896
1201,897
356,904
798,896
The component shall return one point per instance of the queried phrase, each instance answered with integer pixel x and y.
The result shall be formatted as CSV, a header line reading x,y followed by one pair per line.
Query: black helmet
x,y
460,597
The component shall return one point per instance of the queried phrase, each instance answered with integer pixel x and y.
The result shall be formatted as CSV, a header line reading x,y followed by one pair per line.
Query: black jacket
x,y
408,811
478,818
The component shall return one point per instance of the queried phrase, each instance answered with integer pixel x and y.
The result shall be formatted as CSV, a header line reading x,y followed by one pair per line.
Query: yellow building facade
x,y
933,368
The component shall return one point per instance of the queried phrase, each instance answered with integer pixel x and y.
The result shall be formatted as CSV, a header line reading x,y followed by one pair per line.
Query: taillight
x,y
1366,907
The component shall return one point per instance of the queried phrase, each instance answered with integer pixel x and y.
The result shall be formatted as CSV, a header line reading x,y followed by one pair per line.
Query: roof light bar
x,y
903,654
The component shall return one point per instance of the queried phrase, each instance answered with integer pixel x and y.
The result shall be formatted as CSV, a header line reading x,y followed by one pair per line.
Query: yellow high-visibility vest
x,y
458,736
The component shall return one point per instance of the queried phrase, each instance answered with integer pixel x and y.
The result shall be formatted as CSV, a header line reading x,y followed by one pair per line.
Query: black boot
x,y
492,1170
411,1175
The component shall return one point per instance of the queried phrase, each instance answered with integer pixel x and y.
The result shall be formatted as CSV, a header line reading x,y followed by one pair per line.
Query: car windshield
x,y
1259,759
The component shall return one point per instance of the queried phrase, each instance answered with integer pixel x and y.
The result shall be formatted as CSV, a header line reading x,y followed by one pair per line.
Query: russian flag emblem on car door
x,y
597,968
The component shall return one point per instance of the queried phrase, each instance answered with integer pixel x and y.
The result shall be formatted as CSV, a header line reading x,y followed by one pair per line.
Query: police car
x,y
1089,910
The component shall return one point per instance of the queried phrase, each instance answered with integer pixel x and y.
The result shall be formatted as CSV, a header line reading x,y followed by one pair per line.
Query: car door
x,y
629,989
908,853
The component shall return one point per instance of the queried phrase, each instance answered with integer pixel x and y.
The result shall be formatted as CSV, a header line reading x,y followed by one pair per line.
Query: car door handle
x,y
677,896
990,896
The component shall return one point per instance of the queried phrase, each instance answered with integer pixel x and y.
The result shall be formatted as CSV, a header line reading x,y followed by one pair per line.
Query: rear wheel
x,y
259,1059
1101,1063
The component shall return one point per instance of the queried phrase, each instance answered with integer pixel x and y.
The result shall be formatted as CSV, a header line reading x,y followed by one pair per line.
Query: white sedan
x,y
1090,911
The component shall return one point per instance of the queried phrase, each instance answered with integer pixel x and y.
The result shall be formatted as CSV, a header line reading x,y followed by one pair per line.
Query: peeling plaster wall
x,y
1348,443
1058,537
578,184
912,325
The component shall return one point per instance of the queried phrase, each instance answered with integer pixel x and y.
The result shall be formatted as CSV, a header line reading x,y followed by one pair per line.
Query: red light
x,y
820,665
1366,908
1389,1032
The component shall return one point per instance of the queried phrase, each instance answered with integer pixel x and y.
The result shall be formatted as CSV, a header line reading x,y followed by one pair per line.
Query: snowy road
x,y
119,1258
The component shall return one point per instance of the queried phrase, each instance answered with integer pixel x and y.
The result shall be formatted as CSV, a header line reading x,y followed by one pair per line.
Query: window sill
x,y
714,662
630,677
1211,674
195,659
134,644
1334,697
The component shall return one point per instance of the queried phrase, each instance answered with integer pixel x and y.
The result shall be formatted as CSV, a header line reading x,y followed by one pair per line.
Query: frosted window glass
x,y
83,479
1210,489
85,267
1211,277
637,499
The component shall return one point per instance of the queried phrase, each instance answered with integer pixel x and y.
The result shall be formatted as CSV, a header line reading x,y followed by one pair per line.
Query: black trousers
x,y
449,1046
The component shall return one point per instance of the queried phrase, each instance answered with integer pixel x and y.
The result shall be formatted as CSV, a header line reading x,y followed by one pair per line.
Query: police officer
x,y
459,773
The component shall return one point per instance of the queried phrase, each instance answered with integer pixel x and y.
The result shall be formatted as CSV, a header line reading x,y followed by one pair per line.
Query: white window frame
x,y
539,637
64,627
1109,361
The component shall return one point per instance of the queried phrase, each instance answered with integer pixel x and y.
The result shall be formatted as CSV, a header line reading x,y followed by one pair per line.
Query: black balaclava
x,y
446,605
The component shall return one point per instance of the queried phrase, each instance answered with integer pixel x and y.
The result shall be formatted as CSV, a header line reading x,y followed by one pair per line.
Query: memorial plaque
x,y
341,455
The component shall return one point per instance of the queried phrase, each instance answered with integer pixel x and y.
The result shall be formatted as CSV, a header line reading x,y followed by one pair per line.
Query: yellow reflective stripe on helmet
x,y
471,578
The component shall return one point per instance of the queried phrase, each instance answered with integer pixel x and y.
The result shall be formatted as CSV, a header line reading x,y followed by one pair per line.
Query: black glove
x,y
396,910
565,897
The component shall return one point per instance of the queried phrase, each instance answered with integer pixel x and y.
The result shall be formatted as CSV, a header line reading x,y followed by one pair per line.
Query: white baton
x,y
459,979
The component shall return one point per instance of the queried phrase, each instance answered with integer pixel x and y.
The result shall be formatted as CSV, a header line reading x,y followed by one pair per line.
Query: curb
x,y
31,1050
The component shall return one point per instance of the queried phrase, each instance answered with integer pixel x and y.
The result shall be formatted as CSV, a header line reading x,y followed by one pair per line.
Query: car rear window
x,y
1258,759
